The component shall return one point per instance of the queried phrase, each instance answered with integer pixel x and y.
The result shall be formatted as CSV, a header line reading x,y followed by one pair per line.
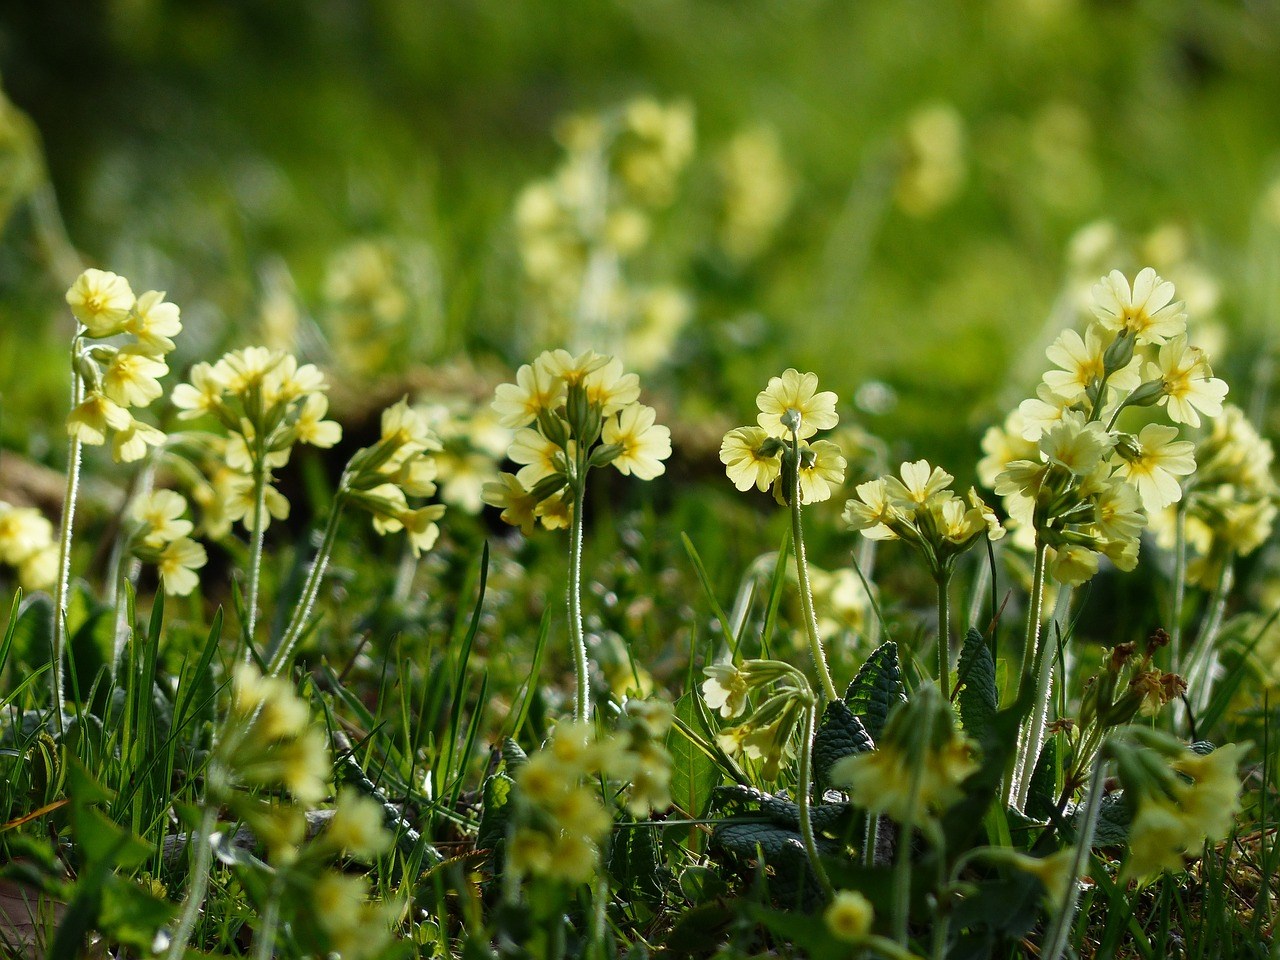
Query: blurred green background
x,y
227,152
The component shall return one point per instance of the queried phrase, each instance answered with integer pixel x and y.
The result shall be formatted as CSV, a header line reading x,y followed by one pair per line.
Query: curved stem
x,y
310,590
255,550
582,694
203,855
1035,611
803,800
63,582
806,588
1055,940
943,580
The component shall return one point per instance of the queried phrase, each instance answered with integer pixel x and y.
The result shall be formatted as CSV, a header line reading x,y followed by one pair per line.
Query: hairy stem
x,y
63,583
203,856
255,549
1203,658
944,633
310,590
1035,611
806,588
803,801
577,636
1179,585
1055,939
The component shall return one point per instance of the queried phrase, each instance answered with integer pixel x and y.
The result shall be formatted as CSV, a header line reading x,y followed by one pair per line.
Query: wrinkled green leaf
x,y
979,698
1043,789
877,689
635,863
840,735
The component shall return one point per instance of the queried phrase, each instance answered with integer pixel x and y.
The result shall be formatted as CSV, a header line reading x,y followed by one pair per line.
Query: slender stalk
x,y
804,799
264,943
902,863
255,549
1035,610
1055,940
63,583
871,840
1203,659
577,636
1179,585
203,856
310,590
806,588
943,580
1033,734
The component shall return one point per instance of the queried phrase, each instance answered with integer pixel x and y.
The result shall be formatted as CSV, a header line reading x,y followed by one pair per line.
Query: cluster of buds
x,y
381,478
1069,478
767,734
778,451
161,536
26,544
123,375
266,403
920,509
1230,504
578,229
1179,797
1129,685
571,414
918,765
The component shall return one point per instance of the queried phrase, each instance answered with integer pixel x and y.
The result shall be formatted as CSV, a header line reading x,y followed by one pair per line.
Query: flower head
x,y
101,301
791,403
1147,310
644,443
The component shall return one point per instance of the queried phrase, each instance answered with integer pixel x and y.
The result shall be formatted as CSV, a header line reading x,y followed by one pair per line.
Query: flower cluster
x,y
579,229
571,414
919,507
772,453
767,734
1180,798
918,765
1068,477
26,543
759,190
472,445
266,402
162,537
124,375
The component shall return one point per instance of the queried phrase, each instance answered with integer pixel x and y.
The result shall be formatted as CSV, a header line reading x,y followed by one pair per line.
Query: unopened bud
x,y
1119,353
1146,394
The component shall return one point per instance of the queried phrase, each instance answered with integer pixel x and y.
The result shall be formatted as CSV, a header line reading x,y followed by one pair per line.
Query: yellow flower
x,y
357,826
529,852
1212,799
101,301
1040,412
1075,444
154,322
611,389
791,402
572,858
1190,387
1081,363
420,527
236,496
849,916
536,390
644,444
873,512
286,381
243,370
311,427
725,689
1003,445
132,442
1072,564
1147,310
819,474
1054,873
919,484
541,457
1160,459
556,512
91,419
565,366
1157,838
740,452
39,570
23,531
202,395
177,565
517,503
160,513
1117,512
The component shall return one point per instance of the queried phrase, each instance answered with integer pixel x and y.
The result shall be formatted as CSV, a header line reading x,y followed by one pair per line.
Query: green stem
x,y
63,583
871,840
264,943
804,799
203,855
1179,585
582,694
1035,611
902,862
1055,940
1204,655
806,588
943,580
310,590
255,550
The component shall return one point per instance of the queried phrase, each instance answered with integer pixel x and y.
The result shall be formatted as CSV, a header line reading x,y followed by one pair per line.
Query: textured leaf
x,y
693,773
1114,817
496,813
979,698
840,735
1041,794
877,689
635,863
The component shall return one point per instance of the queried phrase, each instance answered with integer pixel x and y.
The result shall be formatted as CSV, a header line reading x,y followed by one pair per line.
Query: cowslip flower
x,y
1147,310
750,458
821,468
101,300
155,322
1074,444
645,444
536,390
725,689
177,564
792,403
849,916
133,379
161,516
1081,363
1190,388
94,416
1153,461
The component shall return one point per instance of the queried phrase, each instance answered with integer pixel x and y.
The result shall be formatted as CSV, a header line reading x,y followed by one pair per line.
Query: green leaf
x,y
1114,818
1042,791
33,634
979,697
634,861
496,813
877,689
131,914
840,735
693,773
